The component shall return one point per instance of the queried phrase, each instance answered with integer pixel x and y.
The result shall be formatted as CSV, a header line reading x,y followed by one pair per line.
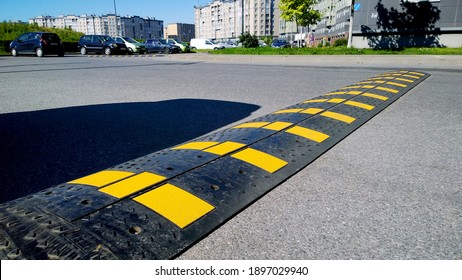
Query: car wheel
x,y
130,51
83,50
107,51
14,52
39,52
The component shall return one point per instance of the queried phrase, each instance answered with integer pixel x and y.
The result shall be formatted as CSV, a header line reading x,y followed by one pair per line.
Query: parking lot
x,y
390,190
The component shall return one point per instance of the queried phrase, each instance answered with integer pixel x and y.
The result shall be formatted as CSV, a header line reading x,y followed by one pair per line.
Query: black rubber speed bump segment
x,y
156,206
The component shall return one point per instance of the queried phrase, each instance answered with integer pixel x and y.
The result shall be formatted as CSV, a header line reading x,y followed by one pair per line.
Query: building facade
x,y
392,23
112,25
227,19
184,31
407,23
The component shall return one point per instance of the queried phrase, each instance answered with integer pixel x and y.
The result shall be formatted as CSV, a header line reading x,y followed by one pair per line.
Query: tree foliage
x,y
300,11
248,40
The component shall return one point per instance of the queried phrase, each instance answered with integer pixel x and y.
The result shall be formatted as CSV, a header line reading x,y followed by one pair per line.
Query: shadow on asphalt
x,y
41,149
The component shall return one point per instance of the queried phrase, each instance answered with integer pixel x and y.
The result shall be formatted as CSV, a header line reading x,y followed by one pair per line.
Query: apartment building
x,y
220,19
112,25
227,19
184,31
335,19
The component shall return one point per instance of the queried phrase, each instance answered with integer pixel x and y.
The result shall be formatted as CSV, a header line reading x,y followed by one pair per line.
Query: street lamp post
x,y
350,27
115,10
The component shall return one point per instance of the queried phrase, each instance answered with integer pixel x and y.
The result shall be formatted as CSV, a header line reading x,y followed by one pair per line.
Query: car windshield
x,y
50,36
106,38
130,40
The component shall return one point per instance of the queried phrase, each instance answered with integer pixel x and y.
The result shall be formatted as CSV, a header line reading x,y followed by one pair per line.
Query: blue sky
x,y
170,11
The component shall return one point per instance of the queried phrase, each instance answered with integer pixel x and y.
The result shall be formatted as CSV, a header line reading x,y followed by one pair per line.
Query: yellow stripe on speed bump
x,y
260,159
288,111
387,89
332,93
102,178
312,111
336,100
178,206
338,116
352,92
308,133
396,84
252,125
404,80
376,96
315,101
224,148
277,126
133,184
410,76
359,105
195,146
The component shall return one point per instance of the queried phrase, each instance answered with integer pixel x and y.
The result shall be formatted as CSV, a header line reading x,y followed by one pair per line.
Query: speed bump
x,y
158,205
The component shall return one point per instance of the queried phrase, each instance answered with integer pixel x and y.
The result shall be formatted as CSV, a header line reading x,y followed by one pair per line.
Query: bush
x,y
248,40
341,43
10,30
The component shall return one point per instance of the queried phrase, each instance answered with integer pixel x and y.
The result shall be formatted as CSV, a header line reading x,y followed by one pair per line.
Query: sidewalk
x,y
380,61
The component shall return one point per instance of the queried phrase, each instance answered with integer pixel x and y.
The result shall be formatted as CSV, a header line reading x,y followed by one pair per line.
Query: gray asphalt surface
x,y
390,190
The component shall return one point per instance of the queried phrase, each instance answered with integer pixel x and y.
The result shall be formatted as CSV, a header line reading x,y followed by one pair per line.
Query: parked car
x,y
156,46
204,44
101,44
227,45
172,48
38,43
133,46
177,42
296,44
279,43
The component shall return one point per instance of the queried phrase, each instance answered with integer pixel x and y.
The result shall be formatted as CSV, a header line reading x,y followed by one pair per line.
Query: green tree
x,y
248,40
300,11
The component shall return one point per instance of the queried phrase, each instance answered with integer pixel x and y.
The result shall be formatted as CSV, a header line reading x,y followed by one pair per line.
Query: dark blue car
x,y
279,43
38,43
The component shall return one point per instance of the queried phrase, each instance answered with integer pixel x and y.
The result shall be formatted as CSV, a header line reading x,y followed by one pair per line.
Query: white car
x,y
204,44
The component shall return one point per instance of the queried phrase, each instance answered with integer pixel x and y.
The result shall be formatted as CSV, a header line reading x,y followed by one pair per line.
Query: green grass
x,y
338,51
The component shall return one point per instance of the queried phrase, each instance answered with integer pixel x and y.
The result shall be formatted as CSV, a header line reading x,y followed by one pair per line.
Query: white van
x,y
204,44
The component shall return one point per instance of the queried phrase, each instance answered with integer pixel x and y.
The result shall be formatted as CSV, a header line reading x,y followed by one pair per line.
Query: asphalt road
x,y
390,190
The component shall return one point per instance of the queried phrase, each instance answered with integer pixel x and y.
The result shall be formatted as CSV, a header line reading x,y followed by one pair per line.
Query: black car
x,y
160,46
173,48
101,44
38,43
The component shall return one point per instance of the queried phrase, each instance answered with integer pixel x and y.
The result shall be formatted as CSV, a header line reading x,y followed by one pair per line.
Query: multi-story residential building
x,y
184,31
112,25
227,19
219,19
142,28
335,19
